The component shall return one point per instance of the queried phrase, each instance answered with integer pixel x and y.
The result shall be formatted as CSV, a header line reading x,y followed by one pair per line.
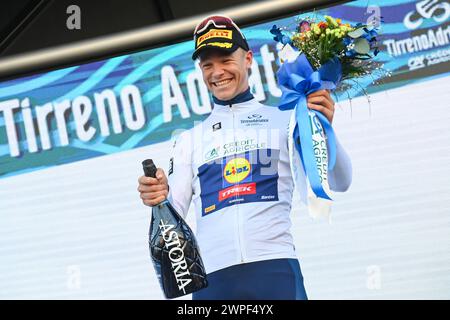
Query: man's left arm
x,y
341,176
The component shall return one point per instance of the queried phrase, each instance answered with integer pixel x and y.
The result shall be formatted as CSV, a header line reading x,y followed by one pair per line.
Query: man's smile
x,y
221,83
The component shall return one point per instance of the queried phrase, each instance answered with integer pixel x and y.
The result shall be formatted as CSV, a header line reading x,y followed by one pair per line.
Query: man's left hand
x,y
322,102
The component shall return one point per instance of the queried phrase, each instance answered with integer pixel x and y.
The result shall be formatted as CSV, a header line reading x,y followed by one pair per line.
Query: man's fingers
x,y
154,202
151,188
321,100
318,107
148,180
161,176
154,195
325,111
317,93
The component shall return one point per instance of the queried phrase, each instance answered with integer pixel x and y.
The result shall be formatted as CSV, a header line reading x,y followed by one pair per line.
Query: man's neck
x,y
241,97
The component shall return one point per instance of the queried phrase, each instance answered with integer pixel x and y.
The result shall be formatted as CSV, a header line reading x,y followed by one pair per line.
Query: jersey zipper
x,y
240,238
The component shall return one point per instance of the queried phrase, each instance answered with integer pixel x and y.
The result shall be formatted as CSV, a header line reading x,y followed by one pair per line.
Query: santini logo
x,y
176,255
217,126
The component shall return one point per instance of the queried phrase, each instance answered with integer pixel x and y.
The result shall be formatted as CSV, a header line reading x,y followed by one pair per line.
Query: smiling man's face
x,y
226,75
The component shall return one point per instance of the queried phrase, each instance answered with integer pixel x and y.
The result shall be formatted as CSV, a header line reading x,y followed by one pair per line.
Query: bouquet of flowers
x,y
329,39
319,55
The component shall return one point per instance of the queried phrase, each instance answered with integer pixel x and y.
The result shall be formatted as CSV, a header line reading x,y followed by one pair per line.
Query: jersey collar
x,y
241,97
243,102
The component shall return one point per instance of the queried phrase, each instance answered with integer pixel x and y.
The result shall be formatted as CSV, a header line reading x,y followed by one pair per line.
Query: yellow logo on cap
x,y
215,33
220,44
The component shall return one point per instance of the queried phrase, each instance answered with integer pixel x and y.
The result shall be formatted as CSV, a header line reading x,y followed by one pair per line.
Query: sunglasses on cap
x,y
218,22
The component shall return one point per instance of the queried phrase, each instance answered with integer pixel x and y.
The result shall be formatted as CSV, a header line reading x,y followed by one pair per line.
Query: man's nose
x,y
217,71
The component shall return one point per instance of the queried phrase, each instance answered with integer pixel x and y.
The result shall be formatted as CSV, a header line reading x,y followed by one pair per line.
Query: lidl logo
x,y
236,170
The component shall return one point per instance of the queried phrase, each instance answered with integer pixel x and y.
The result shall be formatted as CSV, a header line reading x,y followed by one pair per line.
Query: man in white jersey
x,y
235,168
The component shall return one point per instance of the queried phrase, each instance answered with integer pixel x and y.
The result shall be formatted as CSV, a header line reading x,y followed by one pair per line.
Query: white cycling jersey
x,y
235,168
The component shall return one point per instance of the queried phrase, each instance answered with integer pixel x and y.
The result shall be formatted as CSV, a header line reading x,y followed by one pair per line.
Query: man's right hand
x,y
153,191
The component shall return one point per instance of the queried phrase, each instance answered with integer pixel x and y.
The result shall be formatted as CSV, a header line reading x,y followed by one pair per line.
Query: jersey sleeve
x,y
340,178
180,174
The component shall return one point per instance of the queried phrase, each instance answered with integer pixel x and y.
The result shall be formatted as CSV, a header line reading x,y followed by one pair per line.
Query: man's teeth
x,y
222,83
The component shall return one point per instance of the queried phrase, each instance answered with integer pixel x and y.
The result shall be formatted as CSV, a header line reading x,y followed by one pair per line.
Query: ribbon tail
x,y
331,139
306,146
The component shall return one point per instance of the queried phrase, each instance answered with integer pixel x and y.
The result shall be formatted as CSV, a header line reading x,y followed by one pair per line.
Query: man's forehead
x,y
213,53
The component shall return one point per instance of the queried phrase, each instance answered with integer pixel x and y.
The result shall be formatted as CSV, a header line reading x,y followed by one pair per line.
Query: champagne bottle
x,y
173,248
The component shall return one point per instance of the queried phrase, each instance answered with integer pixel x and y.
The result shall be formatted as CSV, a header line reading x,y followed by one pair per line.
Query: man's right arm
x,y
180,175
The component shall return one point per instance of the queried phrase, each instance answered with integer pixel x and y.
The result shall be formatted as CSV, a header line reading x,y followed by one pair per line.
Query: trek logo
x,y
236,170
242,189
176,255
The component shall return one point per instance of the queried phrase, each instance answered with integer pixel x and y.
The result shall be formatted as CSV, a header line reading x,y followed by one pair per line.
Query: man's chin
x,y
224,96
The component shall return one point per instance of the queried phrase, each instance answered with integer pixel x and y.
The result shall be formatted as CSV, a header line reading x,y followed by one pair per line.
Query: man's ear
x,y
249,58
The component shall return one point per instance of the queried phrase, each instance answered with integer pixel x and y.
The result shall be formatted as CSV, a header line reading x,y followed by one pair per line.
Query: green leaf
x,y
356,33
362,46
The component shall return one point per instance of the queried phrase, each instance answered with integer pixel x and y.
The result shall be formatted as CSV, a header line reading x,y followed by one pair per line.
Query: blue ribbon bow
x,y
297,80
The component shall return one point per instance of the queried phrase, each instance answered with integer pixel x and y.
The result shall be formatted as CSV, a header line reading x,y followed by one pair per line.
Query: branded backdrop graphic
x,y
139,99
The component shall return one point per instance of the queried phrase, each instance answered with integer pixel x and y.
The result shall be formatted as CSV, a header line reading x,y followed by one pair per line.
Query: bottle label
x,y
176,255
